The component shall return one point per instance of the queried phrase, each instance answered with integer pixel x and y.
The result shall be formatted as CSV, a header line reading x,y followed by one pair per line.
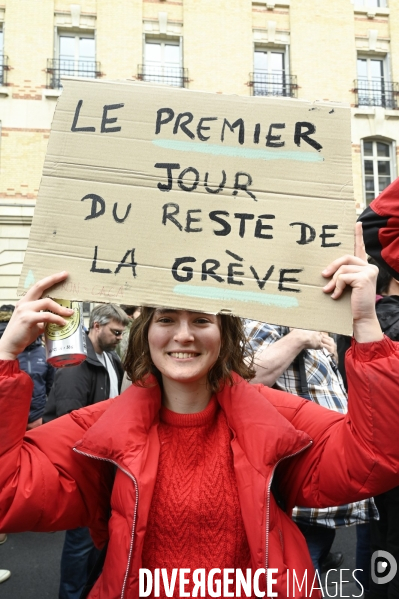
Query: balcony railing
x,y
376,92
277,83
59,67
174,76
3,69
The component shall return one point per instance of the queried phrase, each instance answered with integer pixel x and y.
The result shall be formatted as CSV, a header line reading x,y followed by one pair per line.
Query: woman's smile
x,y
183,355
184,345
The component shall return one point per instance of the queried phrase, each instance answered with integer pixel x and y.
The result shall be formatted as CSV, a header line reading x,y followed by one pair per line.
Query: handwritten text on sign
x,y
193,200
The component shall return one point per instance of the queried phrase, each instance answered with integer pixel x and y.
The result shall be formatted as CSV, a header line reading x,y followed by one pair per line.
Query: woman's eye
x,y
164,319
202,320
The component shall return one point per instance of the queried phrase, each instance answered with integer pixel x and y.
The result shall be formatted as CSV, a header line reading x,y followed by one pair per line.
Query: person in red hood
x,y
188,457
380,221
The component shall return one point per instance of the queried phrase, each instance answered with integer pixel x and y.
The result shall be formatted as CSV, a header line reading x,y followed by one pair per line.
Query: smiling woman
x,y
185,458
219,340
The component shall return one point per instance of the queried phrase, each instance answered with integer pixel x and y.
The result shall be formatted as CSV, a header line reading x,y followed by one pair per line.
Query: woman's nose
x,y
184,332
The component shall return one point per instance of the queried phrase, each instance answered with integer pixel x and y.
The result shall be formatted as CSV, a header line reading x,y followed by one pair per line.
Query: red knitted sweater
x,y
195,517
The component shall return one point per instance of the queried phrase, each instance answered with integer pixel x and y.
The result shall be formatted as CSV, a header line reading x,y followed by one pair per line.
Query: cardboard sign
x,y
167,197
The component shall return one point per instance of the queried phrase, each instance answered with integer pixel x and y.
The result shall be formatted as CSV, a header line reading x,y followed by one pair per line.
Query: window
x,y
2,58
373,86
270,77
371,3
86,308
377,167
76,57
162,63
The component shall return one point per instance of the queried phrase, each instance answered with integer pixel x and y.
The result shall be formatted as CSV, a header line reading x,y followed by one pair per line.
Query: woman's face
x,y
184,345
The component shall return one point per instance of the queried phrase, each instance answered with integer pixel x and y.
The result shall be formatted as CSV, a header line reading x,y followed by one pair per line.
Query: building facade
x,y
345,51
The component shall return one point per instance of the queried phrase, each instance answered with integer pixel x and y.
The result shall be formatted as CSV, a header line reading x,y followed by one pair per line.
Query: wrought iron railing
x,y
277,83
59,67
376,92
3,69
174,76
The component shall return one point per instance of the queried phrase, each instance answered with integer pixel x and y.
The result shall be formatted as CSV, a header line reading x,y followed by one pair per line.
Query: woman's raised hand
x,y
354,271
30,316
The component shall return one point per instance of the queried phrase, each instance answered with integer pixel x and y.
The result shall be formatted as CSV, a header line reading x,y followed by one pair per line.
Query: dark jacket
x,y
387,310
33,361
79,386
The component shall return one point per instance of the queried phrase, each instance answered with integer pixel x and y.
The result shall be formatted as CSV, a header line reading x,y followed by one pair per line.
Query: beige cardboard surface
x,y
166,197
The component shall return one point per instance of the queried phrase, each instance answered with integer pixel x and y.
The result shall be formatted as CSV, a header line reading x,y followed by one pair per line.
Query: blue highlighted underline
x,y
232,151
217,293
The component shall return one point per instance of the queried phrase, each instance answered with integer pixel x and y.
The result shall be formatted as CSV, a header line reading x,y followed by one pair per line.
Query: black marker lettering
x,y
304,233
272,141
190,220
261,227
257,133
299,134
209,271
169,167
170,114
262,282
114,214
189,271
214,215
76,118
200,127
132,264
238,123
171,215
221,185
94,268
97,205
243,217
283,279
243,186
235,256
105,121
194,185
231,273
183,125
325,235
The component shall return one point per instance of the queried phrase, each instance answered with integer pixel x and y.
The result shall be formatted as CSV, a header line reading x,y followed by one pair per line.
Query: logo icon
x,y
56,332
383,567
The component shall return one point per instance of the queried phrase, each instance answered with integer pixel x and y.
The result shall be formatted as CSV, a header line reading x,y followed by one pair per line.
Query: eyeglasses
x,y
116,332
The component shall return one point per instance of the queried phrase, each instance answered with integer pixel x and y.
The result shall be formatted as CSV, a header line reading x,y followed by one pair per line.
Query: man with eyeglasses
x,y
98,378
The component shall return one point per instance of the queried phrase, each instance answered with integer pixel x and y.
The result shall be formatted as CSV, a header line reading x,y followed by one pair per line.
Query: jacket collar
x,y
121,433
264,435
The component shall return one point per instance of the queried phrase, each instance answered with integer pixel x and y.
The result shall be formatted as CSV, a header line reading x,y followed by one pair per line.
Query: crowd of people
x,y
234,443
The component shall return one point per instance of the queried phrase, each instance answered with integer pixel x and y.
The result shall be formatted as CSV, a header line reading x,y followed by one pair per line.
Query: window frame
x,y
392,160
386,92
175,79
76,34
163,40
2,60
367,4
285,73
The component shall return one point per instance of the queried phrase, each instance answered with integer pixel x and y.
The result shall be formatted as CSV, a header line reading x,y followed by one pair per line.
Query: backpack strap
x,y
302,375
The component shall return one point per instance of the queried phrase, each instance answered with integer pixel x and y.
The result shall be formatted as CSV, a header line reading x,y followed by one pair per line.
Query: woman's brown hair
x,y
235,353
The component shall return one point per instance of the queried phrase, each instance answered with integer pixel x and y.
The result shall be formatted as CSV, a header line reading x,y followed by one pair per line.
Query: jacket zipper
x,y
291,455
88,455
